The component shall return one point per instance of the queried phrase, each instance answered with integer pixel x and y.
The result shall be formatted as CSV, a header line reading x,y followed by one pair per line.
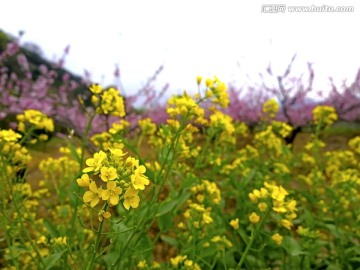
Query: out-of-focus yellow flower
x,y
354,144
277,238
177,260
9,135
254,218
235,223
271,107
96,88
286,223
147,126
325,115
262,206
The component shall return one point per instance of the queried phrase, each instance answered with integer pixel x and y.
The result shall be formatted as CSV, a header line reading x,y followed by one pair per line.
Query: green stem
x,y
81,161
142,223
254,233
90,265
20,217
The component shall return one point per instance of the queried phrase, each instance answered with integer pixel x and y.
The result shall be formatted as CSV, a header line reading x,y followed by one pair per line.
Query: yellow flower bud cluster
x,y
184,106
222,124
271,107
267,141
105,140
182,262
15,156
57,170
354,144
147,126
35,120
324,115
107,101
281,128
216,90
273,197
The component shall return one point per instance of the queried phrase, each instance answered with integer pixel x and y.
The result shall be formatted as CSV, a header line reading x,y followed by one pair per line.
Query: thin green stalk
x,y
21,221
90,265
83,146
141,223
254,233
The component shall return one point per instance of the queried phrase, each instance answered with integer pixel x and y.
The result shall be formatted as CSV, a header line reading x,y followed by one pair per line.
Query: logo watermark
x,y
282,8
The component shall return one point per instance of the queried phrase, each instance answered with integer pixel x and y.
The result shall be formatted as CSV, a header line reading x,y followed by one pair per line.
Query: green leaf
x,y
52,259
165,222
73,152
170,240
293,247
51,229
166,206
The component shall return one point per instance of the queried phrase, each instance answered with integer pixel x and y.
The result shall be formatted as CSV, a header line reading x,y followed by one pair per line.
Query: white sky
x,y
230,39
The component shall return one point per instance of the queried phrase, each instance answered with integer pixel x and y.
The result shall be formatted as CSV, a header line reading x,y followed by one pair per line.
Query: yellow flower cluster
x,y
35,120
271,107
210,188
269,142
106,139
198,212
324,115
216,91
147,126
143,265
354,144
15,156
107,101
222,124
274,196
184,106
118,127
281,128
243,156
180,260
123,178
57,170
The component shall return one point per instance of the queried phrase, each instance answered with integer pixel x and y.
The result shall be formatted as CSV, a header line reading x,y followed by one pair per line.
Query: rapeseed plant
x,y
210,194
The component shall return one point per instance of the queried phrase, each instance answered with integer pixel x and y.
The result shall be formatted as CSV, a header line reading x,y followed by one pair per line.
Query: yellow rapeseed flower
x,y
84,181
235,223
131,198
93,195
254,218
96,162
9,135
112,193
262,206
325,115
96,88
108,174
286,223
138,179
271,107
277,238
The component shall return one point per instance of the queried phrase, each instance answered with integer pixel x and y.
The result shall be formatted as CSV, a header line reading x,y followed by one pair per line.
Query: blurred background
x,y
231,39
